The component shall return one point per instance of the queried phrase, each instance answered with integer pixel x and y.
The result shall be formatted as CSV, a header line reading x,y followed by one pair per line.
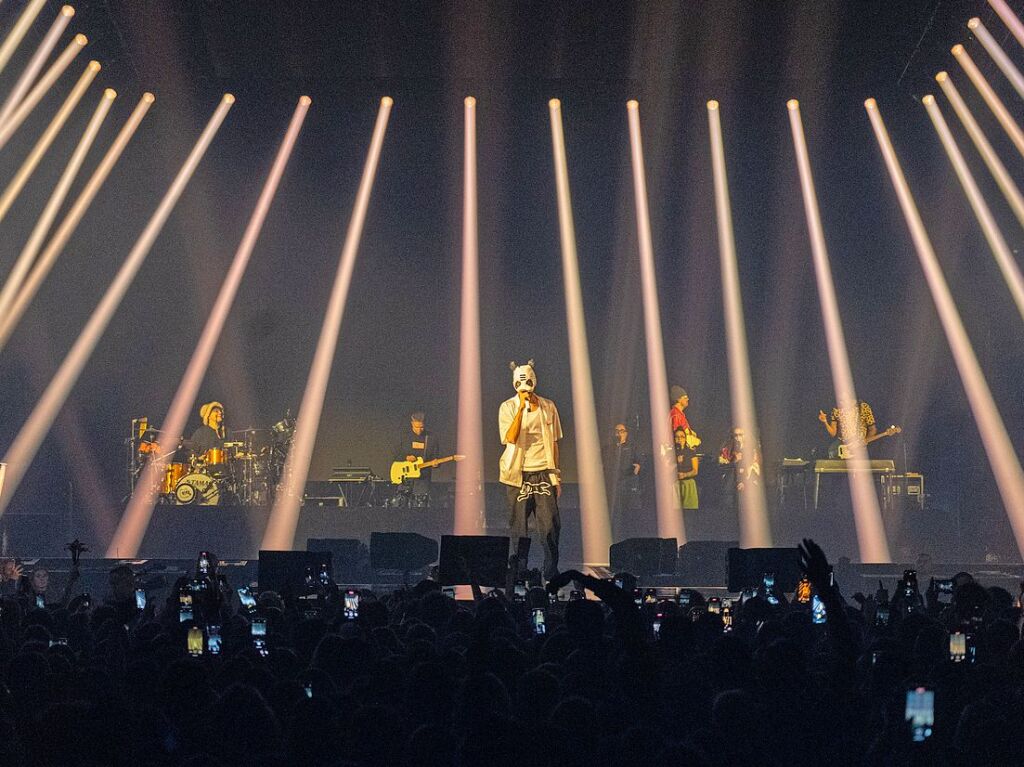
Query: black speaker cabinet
x,y
285,571
747,568
644,556
350,557
705,563
479,558
407,552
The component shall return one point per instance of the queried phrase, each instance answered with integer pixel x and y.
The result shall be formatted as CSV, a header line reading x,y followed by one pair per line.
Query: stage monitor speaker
x,y
748,566
285,571
350,557
407,552
643,556
705,563
484,557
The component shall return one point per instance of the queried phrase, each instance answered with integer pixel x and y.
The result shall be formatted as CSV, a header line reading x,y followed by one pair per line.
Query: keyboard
x,y
838,466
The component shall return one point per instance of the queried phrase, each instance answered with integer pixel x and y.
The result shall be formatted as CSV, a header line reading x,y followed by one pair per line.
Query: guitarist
x,y
855,424
417,444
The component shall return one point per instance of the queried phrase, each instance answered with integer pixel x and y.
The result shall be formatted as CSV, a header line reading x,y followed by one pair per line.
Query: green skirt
x,y
686,493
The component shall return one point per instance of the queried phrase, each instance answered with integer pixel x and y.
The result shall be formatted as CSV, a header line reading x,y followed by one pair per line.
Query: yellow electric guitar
x,y
846,450
403,470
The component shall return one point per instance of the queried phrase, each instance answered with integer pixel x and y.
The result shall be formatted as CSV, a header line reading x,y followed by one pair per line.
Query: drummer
x,y
210,435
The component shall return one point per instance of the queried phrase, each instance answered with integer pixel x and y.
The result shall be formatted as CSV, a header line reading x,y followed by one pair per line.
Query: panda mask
x,y
524,379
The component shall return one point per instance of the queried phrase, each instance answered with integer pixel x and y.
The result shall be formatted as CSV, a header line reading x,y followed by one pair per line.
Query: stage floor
x,y
178,532
236,531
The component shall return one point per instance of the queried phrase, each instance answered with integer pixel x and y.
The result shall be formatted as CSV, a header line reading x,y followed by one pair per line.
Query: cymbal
x,y
245,431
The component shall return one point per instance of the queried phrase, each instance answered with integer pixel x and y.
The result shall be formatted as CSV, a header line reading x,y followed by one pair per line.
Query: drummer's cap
x,y
209,407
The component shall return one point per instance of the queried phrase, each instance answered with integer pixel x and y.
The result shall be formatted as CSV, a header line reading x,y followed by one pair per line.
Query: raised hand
x,y
563,579
814,563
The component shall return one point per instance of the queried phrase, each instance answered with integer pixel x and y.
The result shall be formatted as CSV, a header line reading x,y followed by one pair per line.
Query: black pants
x,y
539,497
624,502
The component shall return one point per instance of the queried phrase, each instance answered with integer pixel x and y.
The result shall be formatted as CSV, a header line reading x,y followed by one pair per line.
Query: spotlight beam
x,y
132,528
10,194
35,64
9,318
670,518
596,527
469,501
998,55
36,239
40,89
25,446
755,531
989,95
284,517
995,166
994,237
1001,455
871,538
17,33
1009,18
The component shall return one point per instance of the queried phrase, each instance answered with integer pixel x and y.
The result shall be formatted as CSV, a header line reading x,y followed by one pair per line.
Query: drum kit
x,y
244,471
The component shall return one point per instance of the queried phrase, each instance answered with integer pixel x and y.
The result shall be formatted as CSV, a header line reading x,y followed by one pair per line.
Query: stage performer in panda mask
x,y
530,430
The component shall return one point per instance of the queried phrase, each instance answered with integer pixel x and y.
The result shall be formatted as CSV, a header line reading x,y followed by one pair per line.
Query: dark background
x,y
399,338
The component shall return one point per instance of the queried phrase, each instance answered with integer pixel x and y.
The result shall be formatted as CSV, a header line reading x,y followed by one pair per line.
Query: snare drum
x,y
173,472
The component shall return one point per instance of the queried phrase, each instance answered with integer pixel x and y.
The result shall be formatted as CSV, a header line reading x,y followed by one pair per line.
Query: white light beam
x,y
9,319
25,446
989,95
39,231
1001,454
284,517
10,194
57,68
670,518
871,538
132,528
469,500
755,531
594,522
995,166
35,64
996,242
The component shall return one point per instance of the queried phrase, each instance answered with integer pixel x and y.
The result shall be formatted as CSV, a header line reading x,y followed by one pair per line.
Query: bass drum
x,y
197,490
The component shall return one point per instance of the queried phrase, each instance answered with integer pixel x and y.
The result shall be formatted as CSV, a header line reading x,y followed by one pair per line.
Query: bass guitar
x,y
403,470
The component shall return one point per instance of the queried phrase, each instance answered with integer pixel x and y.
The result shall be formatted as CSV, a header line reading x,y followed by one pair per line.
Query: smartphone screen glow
x,y
194,641
818,615
539,626
957,647
920,712
351,605
213,640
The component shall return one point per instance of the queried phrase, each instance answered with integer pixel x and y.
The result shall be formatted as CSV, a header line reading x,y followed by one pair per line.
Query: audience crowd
x,y
222,675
